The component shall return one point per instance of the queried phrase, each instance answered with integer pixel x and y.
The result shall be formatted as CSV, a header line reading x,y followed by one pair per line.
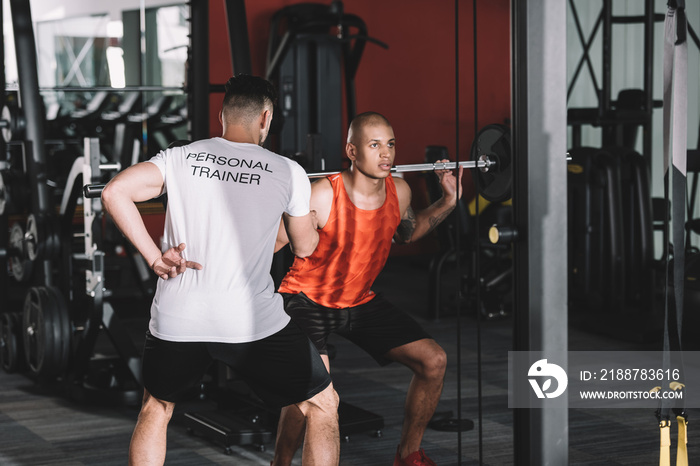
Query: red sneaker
x,y
417,458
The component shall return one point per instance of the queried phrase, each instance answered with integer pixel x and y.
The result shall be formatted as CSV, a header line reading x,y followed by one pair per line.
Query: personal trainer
x,y
359,211
216,300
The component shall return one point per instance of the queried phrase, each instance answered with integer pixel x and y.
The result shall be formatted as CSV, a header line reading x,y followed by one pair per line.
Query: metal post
x,y
4,217
539,206
3,84
94,274
238,36
648,81
31,102
606,90
198,70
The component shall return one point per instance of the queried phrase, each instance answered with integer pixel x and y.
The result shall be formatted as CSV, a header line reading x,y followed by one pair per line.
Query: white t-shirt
x,y
225,200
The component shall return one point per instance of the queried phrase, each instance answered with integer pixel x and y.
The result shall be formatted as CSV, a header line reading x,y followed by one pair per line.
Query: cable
x,y
457,235
477,258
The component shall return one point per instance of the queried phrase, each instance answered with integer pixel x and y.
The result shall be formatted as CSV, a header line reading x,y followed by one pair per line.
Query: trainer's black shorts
x,y
376,326
282,369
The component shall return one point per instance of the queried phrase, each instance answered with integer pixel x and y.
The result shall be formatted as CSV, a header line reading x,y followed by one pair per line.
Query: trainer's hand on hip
x,y
171,263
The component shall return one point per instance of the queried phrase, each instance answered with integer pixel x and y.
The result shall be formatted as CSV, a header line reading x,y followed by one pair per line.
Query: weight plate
x,y
41,237
493,141
40,323
17,332
14,194
20,266
6,115
8,343
4,195
32,238
62,329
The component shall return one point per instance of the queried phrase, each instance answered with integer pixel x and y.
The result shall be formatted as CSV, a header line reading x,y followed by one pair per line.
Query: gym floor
x,y
40,426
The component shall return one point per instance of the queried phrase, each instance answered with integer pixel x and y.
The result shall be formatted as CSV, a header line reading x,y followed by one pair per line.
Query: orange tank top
x,y
353,247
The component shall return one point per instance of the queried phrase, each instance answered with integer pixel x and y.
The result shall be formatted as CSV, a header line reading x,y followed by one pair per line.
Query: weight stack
x,y
310,83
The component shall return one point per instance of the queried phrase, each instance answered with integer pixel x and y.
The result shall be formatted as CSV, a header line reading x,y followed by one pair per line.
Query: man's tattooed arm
x,y
437,219
405,230
412,229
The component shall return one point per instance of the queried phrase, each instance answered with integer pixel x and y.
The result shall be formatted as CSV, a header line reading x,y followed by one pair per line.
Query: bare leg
x,y
148,442
291,429
290,435
322,438
427,360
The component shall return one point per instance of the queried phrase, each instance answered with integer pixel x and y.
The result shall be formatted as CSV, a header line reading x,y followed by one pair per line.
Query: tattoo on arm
x,y
437,219
404,231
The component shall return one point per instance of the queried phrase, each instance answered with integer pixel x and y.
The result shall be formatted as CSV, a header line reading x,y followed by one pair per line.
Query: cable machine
x,y
314,50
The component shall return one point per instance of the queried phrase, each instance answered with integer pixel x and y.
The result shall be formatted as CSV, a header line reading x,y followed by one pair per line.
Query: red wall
x,y
413,82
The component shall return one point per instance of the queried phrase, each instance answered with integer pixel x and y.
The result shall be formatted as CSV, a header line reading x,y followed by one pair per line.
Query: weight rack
x,y
67,308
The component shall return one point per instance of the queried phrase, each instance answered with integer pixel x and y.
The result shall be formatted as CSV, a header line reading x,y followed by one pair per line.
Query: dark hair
x,y
247,95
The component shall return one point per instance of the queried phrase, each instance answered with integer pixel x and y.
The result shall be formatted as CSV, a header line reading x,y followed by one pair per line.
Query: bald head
x,y
364,120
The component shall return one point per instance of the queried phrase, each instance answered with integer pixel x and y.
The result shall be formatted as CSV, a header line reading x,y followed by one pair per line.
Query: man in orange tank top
x,y
359,212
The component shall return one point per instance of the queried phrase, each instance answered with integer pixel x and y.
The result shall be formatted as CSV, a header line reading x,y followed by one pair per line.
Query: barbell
x,y
490,153
484,163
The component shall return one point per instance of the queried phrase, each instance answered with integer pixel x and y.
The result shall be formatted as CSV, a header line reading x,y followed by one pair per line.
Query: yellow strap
x,y
682,453
665,450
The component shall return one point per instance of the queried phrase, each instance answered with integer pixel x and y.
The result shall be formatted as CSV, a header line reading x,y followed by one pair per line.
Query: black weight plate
x,y
62,329
4,195
51,332
20,266
32,325
42,349
495,185
17,330
8,343
41,240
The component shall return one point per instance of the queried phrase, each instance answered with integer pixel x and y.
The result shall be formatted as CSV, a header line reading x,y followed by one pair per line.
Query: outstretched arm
x,y
415,225
139,183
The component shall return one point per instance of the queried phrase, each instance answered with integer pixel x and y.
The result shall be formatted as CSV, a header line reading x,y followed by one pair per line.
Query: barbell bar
x,y
92,191
483,163
113,89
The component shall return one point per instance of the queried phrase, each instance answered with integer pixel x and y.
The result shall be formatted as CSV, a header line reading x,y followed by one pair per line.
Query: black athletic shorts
x,y
376,326
282,369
